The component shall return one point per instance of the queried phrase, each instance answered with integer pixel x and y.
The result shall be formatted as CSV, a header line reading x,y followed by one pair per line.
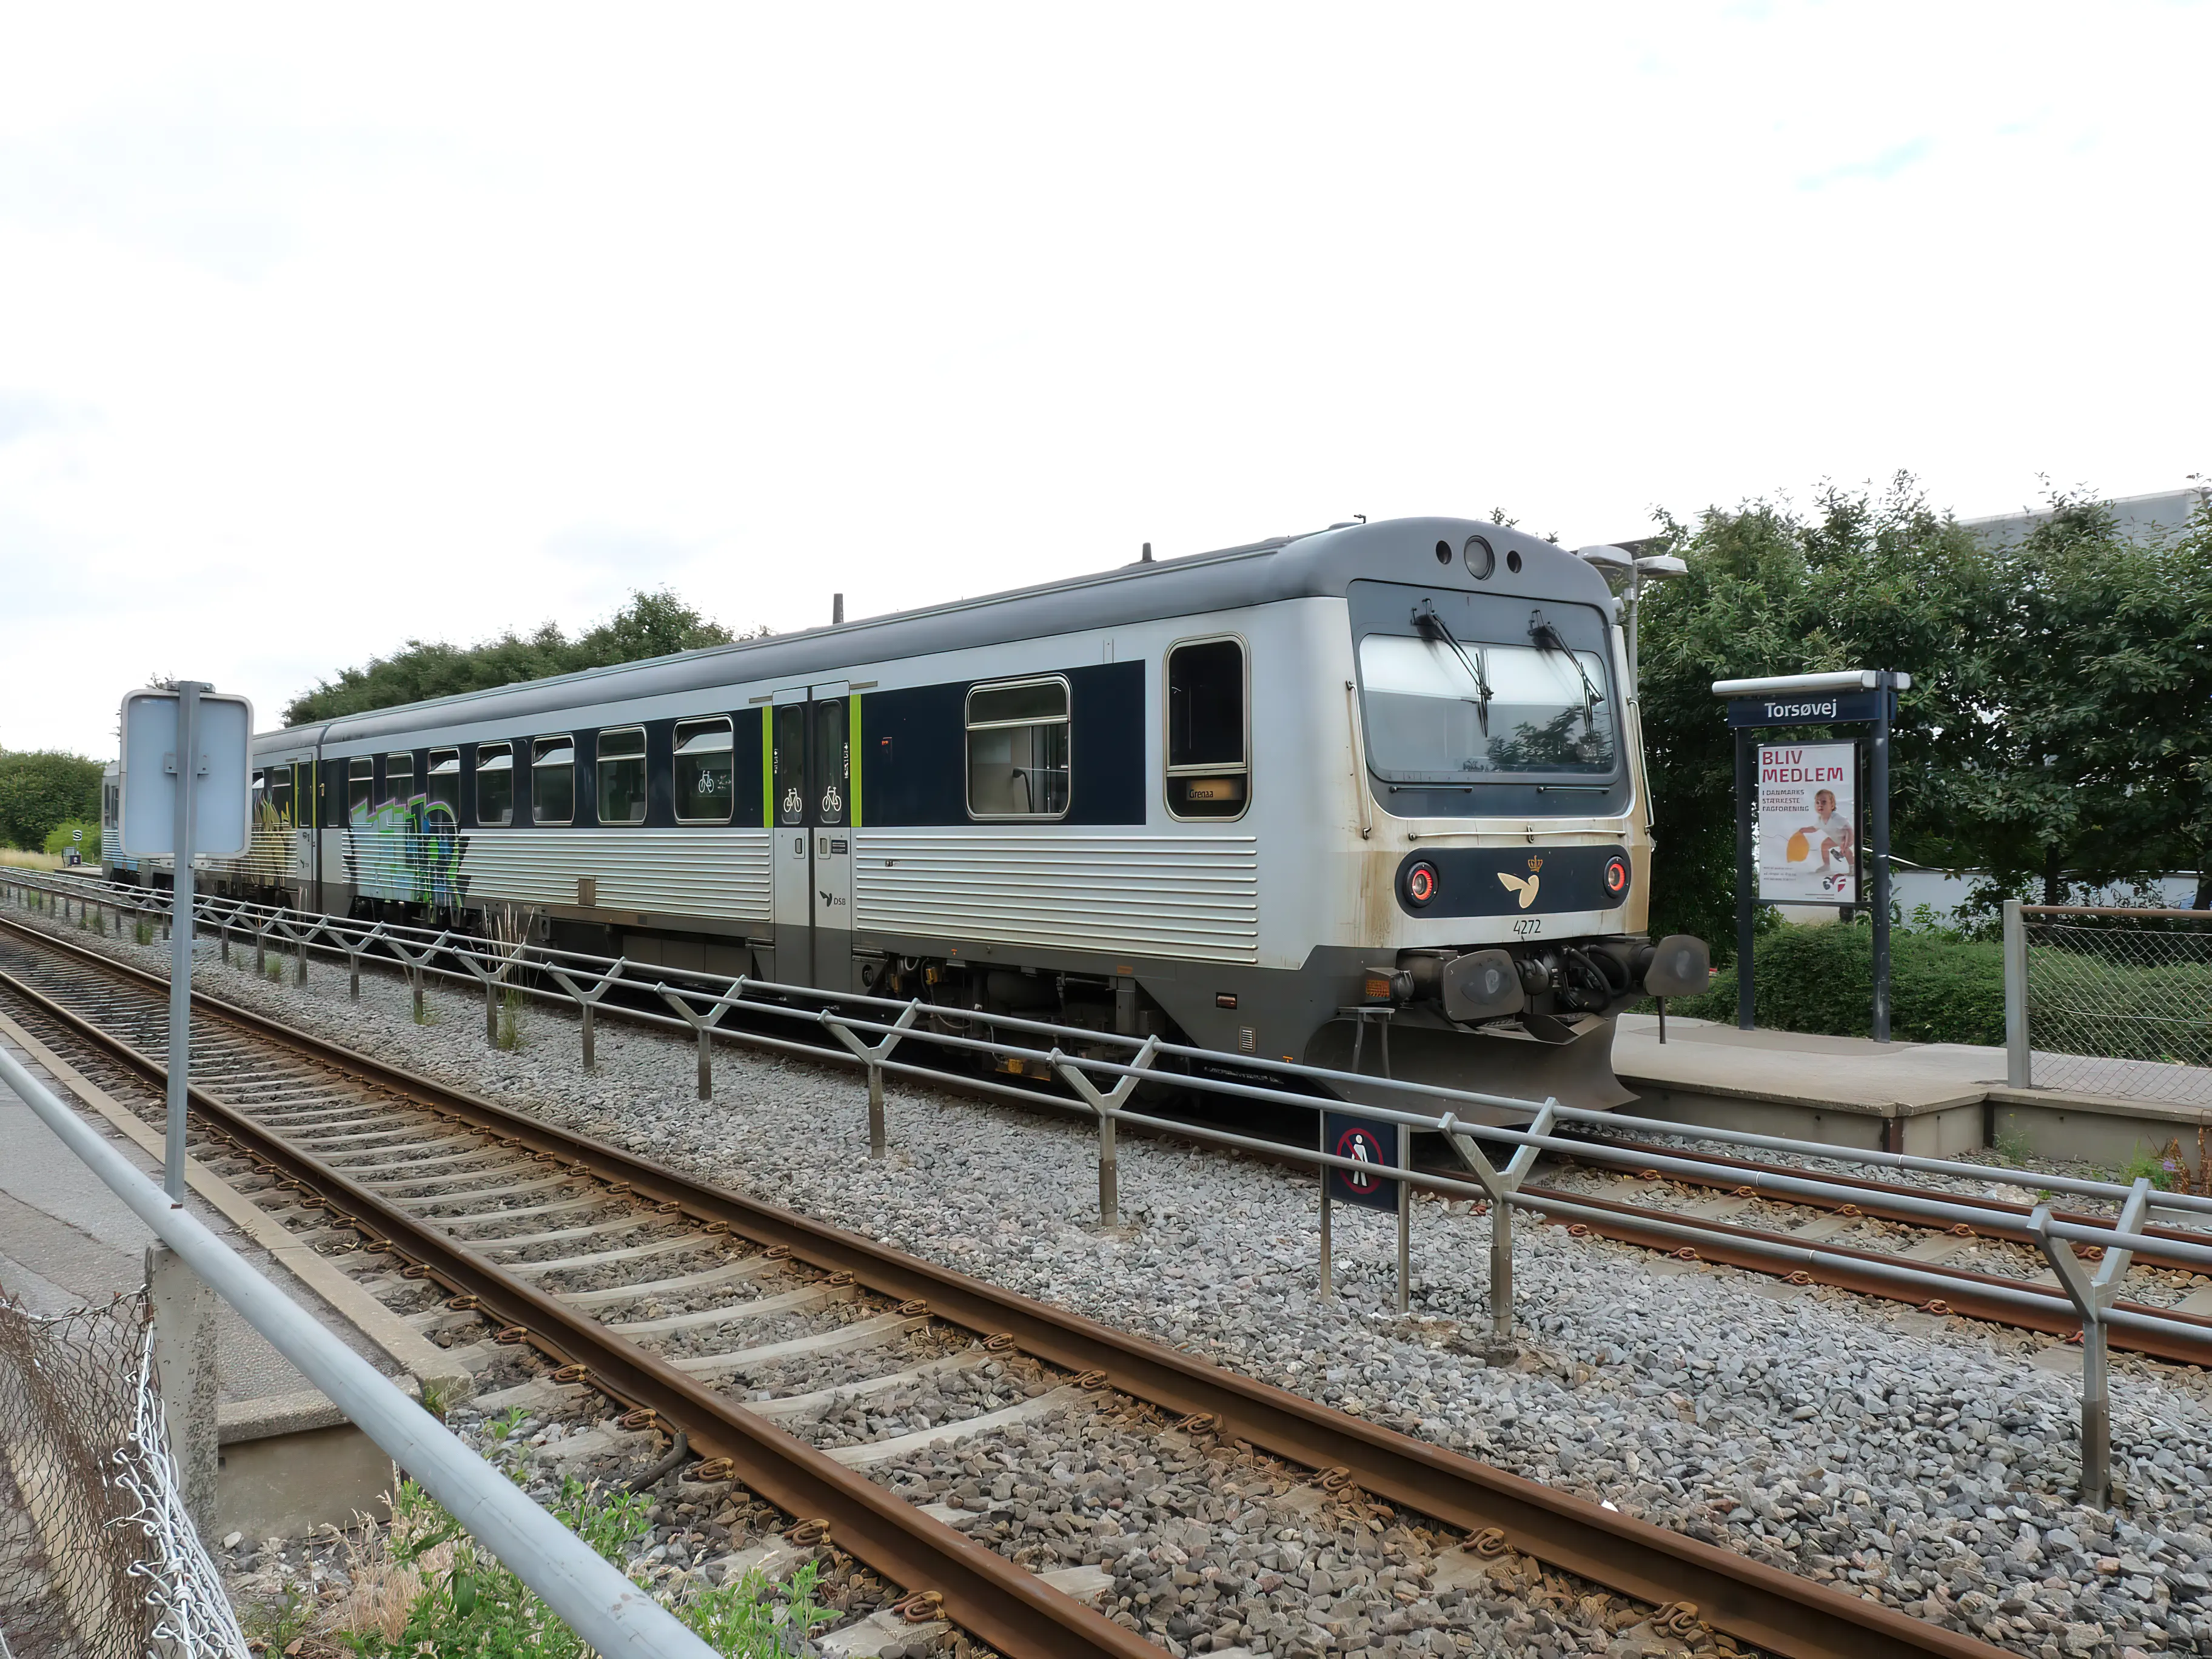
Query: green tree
x,y
2061,713
654,624
2093,755
41,788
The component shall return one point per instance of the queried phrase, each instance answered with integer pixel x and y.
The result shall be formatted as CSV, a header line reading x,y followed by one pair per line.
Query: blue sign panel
x,y
1346,1134
1810,708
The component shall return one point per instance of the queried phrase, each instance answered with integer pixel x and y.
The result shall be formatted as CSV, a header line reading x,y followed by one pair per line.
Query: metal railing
x,y
867,1029
598,1601
2109,1000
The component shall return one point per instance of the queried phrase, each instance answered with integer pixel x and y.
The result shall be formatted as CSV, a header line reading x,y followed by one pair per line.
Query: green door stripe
x,y
768,766
853,737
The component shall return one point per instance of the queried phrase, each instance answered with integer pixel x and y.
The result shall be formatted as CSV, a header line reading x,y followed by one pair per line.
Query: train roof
x,y
1318,564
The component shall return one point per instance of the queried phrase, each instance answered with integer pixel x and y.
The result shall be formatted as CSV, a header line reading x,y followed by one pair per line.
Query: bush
x,y
1942,988
39,789
57,839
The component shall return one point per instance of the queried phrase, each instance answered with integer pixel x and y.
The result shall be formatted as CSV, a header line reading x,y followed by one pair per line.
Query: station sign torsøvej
x,y
1807,812
1820,708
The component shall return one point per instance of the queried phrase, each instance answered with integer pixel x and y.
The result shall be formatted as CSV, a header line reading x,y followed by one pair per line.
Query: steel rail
x,y
616,1617
1007,1606
2185,1339
1748,1599
2162,1333
2015,1214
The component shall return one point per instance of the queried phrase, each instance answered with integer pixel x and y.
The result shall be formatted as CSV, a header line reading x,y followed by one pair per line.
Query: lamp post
x,y
1629,572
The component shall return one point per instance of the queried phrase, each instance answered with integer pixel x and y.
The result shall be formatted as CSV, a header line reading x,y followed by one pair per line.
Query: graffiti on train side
x,y
408,852
273,856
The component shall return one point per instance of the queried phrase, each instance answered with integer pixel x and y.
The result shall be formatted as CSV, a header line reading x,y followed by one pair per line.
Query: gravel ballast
x,y
1928,1463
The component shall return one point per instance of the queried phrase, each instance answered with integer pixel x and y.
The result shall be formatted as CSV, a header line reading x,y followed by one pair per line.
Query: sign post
x,y
187,789
1798,820
1349,1134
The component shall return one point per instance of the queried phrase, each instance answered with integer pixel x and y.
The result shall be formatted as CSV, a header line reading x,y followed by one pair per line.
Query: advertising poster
x,y
1808,818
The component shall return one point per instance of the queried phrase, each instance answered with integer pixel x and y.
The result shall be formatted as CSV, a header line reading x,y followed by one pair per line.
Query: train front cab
x,y
1504,859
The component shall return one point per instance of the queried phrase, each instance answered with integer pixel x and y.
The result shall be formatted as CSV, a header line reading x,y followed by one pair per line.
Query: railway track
x,y
1810,1241
1848,1249
794,1357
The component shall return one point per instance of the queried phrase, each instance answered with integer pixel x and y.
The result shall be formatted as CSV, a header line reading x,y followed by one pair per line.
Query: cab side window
x,y
1209,763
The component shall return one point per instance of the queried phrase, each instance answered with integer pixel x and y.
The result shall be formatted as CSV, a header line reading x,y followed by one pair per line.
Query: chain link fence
x,y
2118,1001
98,1560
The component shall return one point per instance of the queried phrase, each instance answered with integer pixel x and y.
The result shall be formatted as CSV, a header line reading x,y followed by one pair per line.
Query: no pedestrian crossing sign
x,y
1371,1140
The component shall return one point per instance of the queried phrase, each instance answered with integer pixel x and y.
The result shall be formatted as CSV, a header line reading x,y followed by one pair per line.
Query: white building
x,y
2166,512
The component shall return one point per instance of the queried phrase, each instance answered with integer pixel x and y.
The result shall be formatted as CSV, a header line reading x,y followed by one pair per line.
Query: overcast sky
x,y
317,332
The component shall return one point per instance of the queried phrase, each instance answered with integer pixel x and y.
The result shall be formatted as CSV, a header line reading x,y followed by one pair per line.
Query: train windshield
x,y
1461,690
1436,714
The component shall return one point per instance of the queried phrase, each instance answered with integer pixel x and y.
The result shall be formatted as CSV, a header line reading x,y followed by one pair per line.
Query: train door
x,y
303,836
810,771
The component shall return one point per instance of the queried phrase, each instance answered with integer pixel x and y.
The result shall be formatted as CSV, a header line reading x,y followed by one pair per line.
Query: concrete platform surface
x,y
1803,1067
1935,1099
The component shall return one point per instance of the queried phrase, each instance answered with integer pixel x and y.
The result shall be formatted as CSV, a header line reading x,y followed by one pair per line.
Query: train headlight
x,y
1616,878
1421,884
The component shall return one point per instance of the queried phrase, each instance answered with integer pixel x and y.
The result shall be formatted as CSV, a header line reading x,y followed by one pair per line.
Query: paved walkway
x,y
1860,1074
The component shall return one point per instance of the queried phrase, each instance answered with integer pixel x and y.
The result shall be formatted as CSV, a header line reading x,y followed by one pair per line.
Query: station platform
x,y
288,1459
1931,1099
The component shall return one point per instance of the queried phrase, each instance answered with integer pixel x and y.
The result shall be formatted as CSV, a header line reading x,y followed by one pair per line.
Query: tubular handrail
x,y
596,1601
849,1017
852,1011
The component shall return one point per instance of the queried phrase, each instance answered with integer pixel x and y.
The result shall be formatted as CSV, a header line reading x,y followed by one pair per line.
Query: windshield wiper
x,y
1426,618
1548,637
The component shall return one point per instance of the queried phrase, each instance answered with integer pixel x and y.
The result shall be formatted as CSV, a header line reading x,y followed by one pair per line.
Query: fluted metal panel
x,y
717,873
1195,898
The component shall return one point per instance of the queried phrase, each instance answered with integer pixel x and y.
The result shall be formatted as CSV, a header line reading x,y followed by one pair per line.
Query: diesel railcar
x,y
1255,799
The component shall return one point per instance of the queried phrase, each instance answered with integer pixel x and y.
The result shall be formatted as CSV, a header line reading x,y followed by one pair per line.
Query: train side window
x,y
1209,771
705,786
1019,764
622,776
833,759
790,740
441,786
361,788
553,780
399,779
279,795
495,783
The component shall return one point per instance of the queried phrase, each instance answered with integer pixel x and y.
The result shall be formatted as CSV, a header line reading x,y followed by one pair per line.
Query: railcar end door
x,y
811,781
829,804
791,841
